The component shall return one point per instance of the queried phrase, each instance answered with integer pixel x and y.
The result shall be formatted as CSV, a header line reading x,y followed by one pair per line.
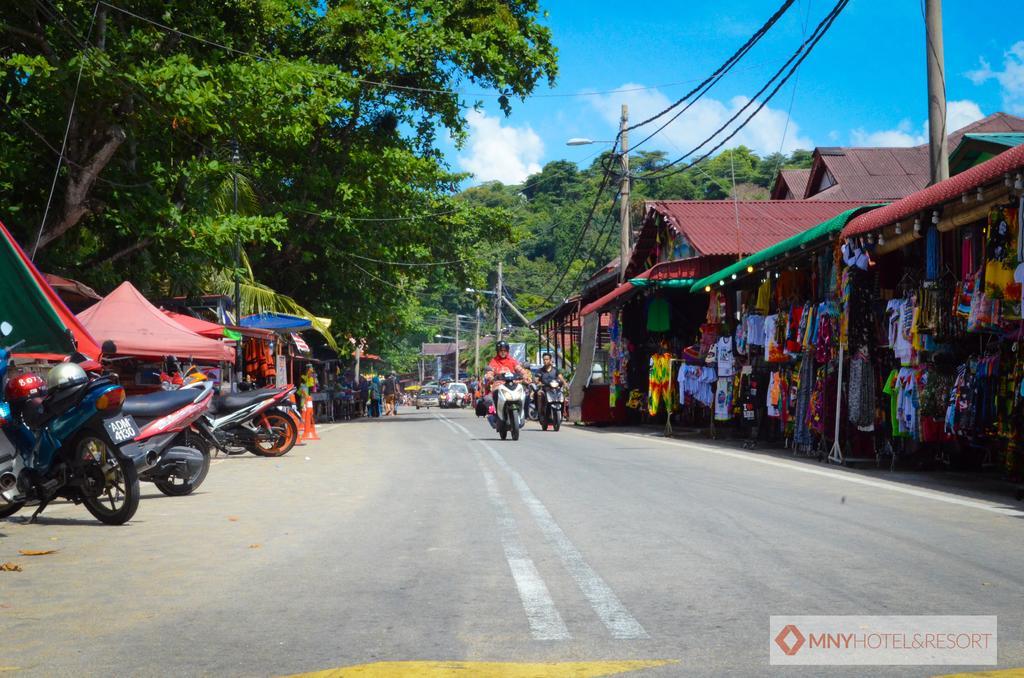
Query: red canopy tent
x,y
197,325
141,330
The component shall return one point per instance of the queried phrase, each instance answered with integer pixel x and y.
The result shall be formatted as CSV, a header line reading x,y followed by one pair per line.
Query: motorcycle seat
x,y
159,403
237,401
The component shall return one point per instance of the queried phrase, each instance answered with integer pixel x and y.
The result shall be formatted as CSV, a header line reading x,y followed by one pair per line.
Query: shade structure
x,y
142,330
826,229
279,322
32,307
197,325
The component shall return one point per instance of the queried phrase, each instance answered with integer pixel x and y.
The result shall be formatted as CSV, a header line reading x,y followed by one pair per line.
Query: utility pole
x,y
937,150
476,359
624,197
239,367
455,377
497,302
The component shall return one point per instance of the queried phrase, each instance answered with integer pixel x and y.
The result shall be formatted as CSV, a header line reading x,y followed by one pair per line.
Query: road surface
x,y
424,539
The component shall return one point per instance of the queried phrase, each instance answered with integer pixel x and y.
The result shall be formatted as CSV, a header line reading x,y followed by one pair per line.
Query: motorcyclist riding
x,y
546,373
499,365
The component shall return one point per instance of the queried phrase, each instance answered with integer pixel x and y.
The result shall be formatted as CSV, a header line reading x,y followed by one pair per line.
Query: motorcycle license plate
x,y
121,429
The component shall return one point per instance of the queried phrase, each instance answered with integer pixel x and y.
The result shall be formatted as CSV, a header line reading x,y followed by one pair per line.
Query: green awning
x,y
679,283
823,230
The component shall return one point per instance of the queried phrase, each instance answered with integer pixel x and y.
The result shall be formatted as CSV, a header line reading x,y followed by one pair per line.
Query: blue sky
x,y
864,84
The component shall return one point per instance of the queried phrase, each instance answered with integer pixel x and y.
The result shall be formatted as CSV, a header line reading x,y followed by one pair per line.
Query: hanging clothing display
x,y
723,399
658,315
660,382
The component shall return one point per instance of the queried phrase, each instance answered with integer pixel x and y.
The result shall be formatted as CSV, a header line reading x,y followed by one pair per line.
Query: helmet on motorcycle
x,y
502,345
25,386
65,375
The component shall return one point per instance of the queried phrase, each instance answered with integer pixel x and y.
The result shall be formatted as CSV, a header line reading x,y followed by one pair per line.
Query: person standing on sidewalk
x,y
390,395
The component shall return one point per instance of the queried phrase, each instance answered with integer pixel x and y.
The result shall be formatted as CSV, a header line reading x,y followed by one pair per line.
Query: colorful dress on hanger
x,y
660,382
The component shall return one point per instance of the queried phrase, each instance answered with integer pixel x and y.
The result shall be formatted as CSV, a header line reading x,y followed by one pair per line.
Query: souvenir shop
x,y
888,333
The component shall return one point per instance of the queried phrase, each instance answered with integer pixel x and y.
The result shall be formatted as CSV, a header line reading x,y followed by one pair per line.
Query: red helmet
x,y
24,386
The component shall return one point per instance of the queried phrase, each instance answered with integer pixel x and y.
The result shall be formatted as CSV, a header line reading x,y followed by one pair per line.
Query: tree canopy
x,y
334,109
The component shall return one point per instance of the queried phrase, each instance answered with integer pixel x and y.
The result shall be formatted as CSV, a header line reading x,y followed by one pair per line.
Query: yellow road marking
x,y
435,669
1000,673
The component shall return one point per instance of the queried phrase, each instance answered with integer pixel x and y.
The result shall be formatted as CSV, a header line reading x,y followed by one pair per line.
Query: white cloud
x,y
958,114
1010,79
505,154
764,133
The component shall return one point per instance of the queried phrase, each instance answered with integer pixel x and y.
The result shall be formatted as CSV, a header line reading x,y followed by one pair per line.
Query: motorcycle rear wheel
x,y
286,435
121,481
174,486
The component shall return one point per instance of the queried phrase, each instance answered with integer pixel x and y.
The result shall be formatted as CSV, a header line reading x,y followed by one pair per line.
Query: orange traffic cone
x,y
309,432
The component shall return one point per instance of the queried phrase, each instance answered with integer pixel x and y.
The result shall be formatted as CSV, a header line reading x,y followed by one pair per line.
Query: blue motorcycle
x,y
61,438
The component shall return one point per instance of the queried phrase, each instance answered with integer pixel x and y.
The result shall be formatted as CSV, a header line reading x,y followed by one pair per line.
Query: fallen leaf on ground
x,y
233,519
255,546
30,552
10,567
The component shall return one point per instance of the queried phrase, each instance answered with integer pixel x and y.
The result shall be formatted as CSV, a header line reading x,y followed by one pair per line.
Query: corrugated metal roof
x,y
790,184
1009,139
711,225
942,192
873,188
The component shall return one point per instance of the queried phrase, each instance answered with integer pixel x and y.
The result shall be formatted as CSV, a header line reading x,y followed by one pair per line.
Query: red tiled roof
x,y
711,225
942,192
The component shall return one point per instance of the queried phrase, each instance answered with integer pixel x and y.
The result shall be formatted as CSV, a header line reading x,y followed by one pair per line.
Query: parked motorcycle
x,y
67,433
552,402
166,419
257,421
532,413
509,406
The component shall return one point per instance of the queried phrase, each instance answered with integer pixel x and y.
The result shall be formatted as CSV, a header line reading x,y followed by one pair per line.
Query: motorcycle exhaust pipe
x,y
7,481
152,457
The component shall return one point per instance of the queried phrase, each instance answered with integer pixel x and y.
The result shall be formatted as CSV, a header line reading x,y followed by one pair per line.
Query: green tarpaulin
x,y
35,311
811,235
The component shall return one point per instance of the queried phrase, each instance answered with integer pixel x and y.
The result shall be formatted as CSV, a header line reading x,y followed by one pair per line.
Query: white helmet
x,y
65,375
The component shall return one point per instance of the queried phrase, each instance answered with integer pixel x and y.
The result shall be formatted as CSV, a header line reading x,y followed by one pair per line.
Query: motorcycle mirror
x,y
6,328
71,337
108,347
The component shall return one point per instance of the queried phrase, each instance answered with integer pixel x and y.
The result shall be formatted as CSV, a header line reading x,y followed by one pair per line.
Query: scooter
x,y
552,402
166,419
67,433
509,406
258,421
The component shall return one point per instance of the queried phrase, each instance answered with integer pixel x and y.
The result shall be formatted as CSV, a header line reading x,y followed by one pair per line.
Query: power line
x,y
64,143
802,53
582,234
723,69
386,85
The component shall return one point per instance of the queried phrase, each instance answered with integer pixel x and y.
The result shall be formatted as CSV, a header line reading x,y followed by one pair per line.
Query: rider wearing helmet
x,y
497,367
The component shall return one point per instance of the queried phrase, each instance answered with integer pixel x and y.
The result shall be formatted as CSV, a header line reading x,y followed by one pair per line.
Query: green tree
x,y
336,107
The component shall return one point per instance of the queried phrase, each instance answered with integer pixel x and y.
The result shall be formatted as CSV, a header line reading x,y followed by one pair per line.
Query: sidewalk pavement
x,y
987,484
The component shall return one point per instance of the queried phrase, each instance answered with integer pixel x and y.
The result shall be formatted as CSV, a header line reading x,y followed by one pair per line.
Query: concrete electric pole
x,y
624,197
497,302
455,377
938,153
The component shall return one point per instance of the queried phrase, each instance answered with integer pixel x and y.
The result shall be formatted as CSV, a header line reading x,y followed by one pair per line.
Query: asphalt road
x,y
423,538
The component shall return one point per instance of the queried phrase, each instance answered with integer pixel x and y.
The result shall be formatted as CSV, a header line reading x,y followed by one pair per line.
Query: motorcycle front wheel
x,y
283,435
513,424
556,419
110,490
8,510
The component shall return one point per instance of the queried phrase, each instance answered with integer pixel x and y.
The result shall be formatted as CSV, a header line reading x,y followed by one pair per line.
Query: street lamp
x,y
583,141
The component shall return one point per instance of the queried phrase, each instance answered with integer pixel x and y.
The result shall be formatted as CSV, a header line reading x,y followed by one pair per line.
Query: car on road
x,y
428,396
